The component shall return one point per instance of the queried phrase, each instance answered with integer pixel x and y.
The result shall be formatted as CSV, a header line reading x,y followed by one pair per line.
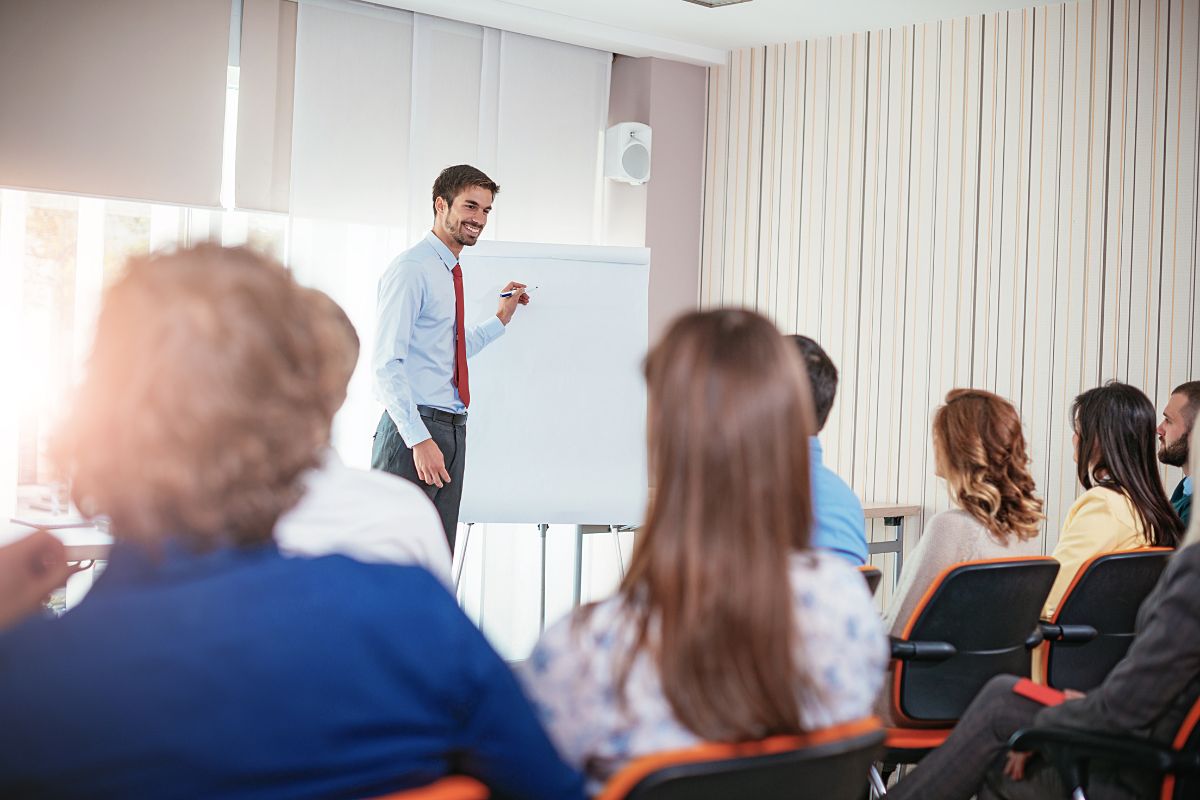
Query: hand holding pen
x,y
511,296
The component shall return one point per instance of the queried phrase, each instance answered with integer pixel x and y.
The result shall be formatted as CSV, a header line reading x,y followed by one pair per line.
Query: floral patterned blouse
x,y
570,677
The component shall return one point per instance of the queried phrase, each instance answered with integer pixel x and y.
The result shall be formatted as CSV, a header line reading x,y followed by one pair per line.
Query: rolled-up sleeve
x,y
400,297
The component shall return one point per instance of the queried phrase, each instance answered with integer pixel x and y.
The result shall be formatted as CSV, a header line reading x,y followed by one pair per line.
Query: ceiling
x,y
683,31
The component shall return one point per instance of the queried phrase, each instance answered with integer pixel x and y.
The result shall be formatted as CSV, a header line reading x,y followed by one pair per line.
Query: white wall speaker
x,y
627,152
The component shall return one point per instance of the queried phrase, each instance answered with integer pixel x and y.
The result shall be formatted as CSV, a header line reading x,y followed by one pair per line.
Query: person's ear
x,y
439,205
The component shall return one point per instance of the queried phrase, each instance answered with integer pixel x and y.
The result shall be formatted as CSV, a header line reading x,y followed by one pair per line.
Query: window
x,y
59,252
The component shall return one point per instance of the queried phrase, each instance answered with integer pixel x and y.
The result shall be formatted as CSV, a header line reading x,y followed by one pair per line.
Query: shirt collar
x,y
814,450
1187,485
173,558
440,248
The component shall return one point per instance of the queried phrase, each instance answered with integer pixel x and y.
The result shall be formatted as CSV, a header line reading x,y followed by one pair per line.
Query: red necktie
x,y
460,340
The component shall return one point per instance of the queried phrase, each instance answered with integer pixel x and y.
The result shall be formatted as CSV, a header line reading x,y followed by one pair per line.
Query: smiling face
x,y
1173,431
461,223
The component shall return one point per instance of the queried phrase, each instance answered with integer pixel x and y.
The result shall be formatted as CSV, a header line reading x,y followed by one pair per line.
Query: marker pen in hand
x,y
511,292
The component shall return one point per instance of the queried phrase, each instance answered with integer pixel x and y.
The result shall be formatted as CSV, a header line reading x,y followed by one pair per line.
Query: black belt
x,y
438,415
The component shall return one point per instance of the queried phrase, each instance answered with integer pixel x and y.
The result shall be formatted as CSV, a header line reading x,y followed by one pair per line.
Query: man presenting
x,y
422,345
1178,418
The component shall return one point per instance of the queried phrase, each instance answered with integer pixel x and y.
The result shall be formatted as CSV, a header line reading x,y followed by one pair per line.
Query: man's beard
x,y
1175,454
461,236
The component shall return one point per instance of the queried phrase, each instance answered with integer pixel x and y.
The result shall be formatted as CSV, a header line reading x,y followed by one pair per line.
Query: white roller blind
x,y
122,98
350,137
385,99
264,140
447,62
551,117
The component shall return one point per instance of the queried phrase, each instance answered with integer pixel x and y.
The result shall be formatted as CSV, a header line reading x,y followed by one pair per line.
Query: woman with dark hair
x,y
727,627
1124,506
979,449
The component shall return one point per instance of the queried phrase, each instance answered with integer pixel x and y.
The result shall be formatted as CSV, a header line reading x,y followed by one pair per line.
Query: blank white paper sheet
x,y
557,425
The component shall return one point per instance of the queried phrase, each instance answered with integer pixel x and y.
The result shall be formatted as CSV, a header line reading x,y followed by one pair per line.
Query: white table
x,y
82,540
893,515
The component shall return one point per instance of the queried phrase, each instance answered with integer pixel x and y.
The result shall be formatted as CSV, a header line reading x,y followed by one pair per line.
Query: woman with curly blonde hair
x,y
979,450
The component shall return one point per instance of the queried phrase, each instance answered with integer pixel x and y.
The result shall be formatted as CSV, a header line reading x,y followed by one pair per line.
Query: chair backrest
x,y
986,610
452,787
1105,596
830,764
1187,739
872,576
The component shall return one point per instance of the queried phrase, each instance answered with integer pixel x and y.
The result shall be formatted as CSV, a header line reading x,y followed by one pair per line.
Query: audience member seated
x,y
203,663
1148,694
979,450
1124,505
365,514
727,626
1179,417
838,524
30,569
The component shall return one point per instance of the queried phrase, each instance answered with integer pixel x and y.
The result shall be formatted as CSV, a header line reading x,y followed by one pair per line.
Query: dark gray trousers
x,y
969,762
390,454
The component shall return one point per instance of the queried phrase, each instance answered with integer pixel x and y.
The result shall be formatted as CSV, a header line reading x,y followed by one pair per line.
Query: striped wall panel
x,y
1006,201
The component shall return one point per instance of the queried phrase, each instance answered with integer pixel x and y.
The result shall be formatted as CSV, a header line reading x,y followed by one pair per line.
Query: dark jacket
x,y
1182,503
1151,690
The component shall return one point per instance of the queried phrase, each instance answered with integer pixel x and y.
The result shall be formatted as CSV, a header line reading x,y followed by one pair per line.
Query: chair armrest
x,y
907,650
1068,633
1077,746
1036,638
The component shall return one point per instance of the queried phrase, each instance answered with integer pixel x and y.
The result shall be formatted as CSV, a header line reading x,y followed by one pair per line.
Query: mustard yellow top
x,y
1101,521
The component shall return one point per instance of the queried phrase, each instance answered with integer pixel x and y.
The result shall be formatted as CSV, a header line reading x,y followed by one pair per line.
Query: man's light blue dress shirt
x,y
837,514
413,361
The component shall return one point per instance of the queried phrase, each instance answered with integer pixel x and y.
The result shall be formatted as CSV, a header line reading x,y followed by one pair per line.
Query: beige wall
x,y
1007,201
664,214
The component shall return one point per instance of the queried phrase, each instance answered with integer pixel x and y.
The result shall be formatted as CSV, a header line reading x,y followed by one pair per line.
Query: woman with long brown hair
x,y
979,449
727,627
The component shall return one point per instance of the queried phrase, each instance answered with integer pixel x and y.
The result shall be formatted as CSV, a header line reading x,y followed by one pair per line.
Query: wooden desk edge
x,y
87,552
881,510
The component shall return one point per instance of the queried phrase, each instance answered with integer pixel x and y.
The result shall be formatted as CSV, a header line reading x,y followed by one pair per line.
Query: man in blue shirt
x,y
837,513
422,345
1173,433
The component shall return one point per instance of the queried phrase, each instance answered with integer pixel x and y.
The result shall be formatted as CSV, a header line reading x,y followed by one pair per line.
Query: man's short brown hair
x,y
452,180
202,403
1190,390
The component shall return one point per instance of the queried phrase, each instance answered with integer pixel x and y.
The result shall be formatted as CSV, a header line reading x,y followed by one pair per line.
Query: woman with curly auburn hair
x,y
979,450
205,663
1146,698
